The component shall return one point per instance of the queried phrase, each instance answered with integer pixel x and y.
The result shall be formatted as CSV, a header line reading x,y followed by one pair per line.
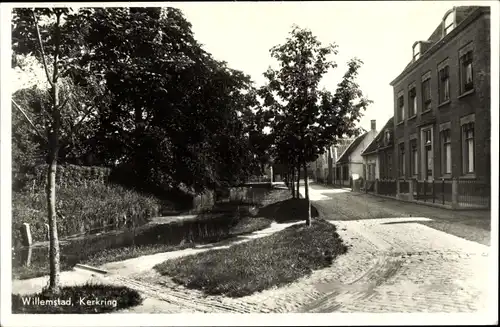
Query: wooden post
x,y
410,189
26,234
454,193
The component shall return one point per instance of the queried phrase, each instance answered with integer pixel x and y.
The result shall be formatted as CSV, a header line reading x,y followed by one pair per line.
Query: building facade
x,y
350,163
442,102
377,157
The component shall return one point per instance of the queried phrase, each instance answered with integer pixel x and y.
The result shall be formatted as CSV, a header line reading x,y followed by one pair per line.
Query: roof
x,y
464,15
354,144
372,147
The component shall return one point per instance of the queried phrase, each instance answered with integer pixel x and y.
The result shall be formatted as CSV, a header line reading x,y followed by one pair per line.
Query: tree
x,y
307,119
40,32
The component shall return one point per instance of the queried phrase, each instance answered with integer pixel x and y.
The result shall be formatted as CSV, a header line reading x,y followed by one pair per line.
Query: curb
x,y
90,268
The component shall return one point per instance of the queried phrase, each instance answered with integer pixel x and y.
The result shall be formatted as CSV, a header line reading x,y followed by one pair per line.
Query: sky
x,y
381,34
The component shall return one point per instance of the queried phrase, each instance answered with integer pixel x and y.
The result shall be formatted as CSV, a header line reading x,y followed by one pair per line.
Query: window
x,y
413,157
402,159
466,83
428,154
426,94
468,148
446,152
444,84
401,108
413,102
449,22
416,51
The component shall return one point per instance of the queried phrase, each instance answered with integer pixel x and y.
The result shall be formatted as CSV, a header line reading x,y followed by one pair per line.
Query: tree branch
x,y
41,49
29,120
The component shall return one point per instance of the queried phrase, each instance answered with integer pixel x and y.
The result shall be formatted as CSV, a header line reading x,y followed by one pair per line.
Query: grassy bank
x,y
150,239
260,264
96,298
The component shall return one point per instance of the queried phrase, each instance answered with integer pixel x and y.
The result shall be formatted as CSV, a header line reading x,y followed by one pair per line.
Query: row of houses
x,y
441,125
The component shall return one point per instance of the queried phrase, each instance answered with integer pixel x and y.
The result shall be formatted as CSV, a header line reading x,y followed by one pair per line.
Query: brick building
x,y
442,101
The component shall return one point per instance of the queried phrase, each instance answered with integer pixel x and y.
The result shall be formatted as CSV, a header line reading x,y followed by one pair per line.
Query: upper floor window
x,y
444,84
401,108
466,82
426,92
449,22
412,104
416,51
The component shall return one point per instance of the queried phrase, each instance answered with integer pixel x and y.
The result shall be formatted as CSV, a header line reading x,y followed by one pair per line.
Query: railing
x,y
387,187
474,193
404,186
435,191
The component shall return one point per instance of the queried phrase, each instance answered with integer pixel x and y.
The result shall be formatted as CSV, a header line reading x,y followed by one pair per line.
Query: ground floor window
x,y
414,158
468,148
446,151
428,154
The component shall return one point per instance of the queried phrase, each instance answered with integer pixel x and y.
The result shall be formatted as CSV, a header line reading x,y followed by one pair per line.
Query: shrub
x,y
81,209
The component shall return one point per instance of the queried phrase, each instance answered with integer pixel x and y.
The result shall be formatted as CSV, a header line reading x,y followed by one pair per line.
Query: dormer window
x,y
416,51
449,22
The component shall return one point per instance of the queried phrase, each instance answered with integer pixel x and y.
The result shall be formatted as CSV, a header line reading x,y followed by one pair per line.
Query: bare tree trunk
x,y
306,186
292,181
54,253
298,181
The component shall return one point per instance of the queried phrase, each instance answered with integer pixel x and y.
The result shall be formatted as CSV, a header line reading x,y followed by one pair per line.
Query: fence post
x,y
47,232
425,189
454,193
442,189
433,191
410,189
26,234
398,189
375,187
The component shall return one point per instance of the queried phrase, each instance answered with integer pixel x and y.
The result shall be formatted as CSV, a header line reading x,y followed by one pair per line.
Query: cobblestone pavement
x,y
393,265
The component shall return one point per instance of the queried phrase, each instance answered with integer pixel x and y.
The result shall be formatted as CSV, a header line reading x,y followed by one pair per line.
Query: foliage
x,y
259,264
82,207
305,118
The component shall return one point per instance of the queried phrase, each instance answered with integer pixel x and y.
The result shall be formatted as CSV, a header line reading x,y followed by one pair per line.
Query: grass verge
x,y
260,264
87,298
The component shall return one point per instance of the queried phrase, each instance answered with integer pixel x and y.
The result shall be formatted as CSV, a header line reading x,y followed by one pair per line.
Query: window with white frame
x,y
446,151
426,92
468,149
466,81
416,51
449,22
444,84
412,102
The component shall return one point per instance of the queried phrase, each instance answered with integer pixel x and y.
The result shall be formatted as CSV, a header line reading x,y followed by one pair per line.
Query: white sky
x,y
381,34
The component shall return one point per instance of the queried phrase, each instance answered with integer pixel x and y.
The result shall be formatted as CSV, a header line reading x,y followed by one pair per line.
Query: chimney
x,y
374,125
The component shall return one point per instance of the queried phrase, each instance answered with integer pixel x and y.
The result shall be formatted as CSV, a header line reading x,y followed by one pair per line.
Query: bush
x,y
81,209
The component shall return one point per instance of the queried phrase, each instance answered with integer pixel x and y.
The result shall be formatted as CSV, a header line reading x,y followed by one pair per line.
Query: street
x,y
398,264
